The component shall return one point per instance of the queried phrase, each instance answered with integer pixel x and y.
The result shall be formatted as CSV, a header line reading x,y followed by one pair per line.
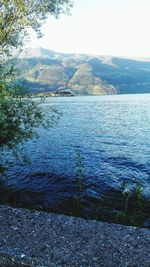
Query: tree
x,y
17,16
19,114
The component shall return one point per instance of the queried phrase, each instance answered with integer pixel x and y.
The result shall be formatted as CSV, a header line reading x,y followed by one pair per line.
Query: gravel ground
x,y
31,238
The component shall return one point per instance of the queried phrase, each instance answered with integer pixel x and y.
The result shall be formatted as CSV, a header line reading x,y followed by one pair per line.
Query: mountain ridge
x,y
43,70
30,51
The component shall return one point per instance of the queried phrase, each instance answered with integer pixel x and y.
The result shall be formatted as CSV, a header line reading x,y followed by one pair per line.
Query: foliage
x,y
17,16
20,115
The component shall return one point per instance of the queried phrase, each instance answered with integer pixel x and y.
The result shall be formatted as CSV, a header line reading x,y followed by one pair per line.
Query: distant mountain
x,y
43,70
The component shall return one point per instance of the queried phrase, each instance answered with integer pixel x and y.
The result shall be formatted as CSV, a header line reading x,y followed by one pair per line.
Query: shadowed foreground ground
x,y
31,238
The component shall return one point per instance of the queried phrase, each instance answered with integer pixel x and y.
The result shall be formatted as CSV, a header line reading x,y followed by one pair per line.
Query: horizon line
x,y
88,54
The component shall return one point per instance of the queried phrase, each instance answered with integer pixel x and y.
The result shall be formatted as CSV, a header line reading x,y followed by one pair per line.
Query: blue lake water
x,y
104,138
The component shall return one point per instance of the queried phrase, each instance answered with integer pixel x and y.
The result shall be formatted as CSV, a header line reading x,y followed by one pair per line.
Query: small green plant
x,y
79,183
133,204
120,217
79,170
136,216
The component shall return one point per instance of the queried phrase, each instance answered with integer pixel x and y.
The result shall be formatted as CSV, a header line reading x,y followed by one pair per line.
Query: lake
x,y
99,145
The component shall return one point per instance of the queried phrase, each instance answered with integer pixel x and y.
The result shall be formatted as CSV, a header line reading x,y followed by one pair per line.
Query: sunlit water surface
x,y
98,143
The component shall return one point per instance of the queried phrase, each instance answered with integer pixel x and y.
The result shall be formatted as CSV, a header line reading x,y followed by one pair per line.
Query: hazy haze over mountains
x,y
43,70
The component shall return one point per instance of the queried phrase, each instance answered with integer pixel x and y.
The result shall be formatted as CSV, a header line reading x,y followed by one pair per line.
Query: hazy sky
x,y
104,27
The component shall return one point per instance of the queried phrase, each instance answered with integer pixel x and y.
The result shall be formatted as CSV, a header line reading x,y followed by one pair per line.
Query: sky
x,y
100,27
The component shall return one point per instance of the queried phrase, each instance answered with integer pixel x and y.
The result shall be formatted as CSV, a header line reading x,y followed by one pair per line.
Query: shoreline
x,y
31,238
